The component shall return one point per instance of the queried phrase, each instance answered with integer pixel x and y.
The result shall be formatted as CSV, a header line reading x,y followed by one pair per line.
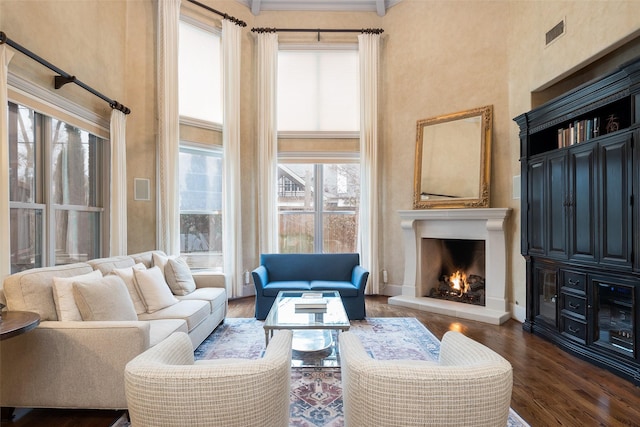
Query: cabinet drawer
x,y
574,280
575,329
574,304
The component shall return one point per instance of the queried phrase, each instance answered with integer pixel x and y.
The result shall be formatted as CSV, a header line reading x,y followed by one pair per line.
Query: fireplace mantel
x,y
486,224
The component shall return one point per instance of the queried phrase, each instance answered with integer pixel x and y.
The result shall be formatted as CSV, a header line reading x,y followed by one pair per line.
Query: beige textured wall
x,y
439,57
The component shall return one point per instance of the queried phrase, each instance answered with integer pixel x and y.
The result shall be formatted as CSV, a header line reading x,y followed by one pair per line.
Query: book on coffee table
x,y
311,300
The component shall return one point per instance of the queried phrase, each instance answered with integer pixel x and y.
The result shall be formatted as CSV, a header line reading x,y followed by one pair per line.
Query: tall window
x,y
200,164
319,117
56,180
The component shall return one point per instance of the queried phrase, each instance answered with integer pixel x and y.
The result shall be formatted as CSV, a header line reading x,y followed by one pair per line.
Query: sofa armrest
x,y
85,360
208,279
359,278
260,277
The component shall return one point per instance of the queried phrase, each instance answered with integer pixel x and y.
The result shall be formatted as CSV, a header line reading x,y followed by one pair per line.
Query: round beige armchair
x,y
470,385
166,387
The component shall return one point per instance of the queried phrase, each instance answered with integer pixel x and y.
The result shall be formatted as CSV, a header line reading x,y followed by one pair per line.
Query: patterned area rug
x,y
316,393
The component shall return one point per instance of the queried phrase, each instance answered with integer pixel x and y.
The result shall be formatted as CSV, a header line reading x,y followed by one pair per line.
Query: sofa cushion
x,y
346,289
126,274
272,288
31,290
193,312
153,289
106,299
217,297
107,265
66,307
178,276
161,328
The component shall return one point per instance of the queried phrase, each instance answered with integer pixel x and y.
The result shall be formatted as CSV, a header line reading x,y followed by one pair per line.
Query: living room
x,y
437,57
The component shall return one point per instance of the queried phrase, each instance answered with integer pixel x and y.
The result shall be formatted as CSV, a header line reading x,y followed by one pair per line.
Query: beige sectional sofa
x,y
80,363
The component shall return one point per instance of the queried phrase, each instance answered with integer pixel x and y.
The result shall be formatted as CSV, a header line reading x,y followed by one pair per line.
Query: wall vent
x,y
555,32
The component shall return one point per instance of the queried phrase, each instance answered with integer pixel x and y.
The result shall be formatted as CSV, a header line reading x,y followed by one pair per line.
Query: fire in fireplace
x,y
460,273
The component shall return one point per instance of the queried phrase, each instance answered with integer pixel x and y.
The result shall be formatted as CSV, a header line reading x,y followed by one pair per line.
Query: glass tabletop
x,y
305,310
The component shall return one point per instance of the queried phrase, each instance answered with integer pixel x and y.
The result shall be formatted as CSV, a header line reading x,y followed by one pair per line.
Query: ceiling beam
x,y
380,8
255,7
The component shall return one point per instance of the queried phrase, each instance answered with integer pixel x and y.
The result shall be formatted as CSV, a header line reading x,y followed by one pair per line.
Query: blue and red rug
x,y
316,393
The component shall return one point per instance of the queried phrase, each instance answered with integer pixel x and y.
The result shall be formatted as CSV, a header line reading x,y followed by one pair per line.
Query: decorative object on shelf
x,y
612,123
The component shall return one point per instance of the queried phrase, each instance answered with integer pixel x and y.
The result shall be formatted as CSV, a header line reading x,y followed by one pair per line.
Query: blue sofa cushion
x,y
272,288
346,289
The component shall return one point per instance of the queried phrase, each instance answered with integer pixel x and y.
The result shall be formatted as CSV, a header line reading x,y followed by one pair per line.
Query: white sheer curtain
x,y
232,250
5,243
168,216
118,213
369,48
267,141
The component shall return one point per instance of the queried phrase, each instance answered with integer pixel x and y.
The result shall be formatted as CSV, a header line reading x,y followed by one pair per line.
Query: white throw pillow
x,y
178,276
66,307
126,274
153,289
160,260
106,299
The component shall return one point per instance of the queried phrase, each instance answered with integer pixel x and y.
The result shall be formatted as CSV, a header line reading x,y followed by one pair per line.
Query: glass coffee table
x,y
315,330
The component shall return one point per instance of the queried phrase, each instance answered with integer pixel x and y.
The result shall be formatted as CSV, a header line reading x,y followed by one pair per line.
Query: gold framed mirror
x,y
453,160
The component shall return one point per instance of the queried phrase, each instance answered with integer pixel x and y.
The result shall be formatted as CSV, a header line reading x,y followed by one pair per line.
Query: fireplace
x,y
455,270
477,237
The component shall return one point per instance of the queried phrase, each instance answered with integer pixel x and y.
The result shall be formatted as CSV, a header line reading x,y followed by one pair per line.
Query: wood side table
x,y
15,323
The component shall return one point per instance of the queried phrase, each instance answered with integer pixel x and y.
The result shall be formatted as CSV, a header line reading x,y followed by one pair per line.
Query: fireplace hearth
x,y
425,231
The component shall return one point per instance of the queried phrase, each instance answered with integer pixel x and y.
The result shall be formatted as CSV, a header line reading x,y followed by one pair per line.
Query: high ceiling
x,y
378,6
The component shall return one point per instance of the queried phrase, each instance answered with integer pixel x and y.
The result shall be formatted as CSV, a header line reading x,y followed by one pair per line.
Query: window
x,y
201,206
318,207
200,72
318,90
57,211
318,130
200,163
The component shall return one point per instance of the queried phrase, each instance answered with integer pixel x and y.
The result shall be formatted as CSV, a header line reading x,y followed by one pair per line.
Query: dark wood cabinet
x,y
580,227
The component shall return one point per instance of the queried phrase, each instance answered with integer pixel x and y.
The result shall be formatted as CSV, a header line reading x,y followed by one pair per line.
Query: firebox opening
x,y
455,270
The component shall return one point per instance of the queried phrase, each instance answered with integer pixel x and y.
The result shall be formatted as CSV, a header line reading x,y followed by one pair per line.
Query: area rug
x,y
316,393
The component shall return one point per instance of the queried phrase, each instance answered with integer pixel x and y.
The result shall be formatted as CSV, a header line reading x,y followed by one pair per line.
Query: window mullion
x,y
319,207
43,133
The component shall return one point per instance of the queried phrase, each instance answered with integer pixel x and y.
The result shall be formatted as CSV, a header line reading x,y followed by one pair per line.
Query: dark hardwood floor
x,y
550,386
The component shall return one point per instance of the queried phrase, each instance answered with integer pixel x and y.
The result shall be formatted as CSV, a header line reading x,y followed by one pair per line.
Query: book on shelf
x,y
578,131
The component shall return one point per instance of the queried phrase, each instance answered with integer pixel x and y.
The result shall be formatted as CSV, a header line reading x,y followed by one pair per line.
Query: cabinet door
x,y
582,205
615,207
556,203
546,295
536,207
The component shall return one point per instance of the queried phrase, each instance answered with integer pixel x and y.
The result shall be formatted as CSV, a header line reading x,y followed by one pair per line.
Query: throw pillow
x,y
160,260
126,274
66,307
106,299
178,276
153,289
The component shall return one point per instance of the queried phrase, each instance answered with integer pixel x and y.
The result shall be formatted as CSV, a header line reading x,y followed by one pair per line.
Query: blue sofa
x,y
305,272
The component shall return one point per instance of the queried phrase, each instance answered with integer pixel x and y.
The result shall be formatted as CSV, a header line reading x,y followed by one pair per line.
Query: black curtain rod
x,y
63,78
318,30
224,15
